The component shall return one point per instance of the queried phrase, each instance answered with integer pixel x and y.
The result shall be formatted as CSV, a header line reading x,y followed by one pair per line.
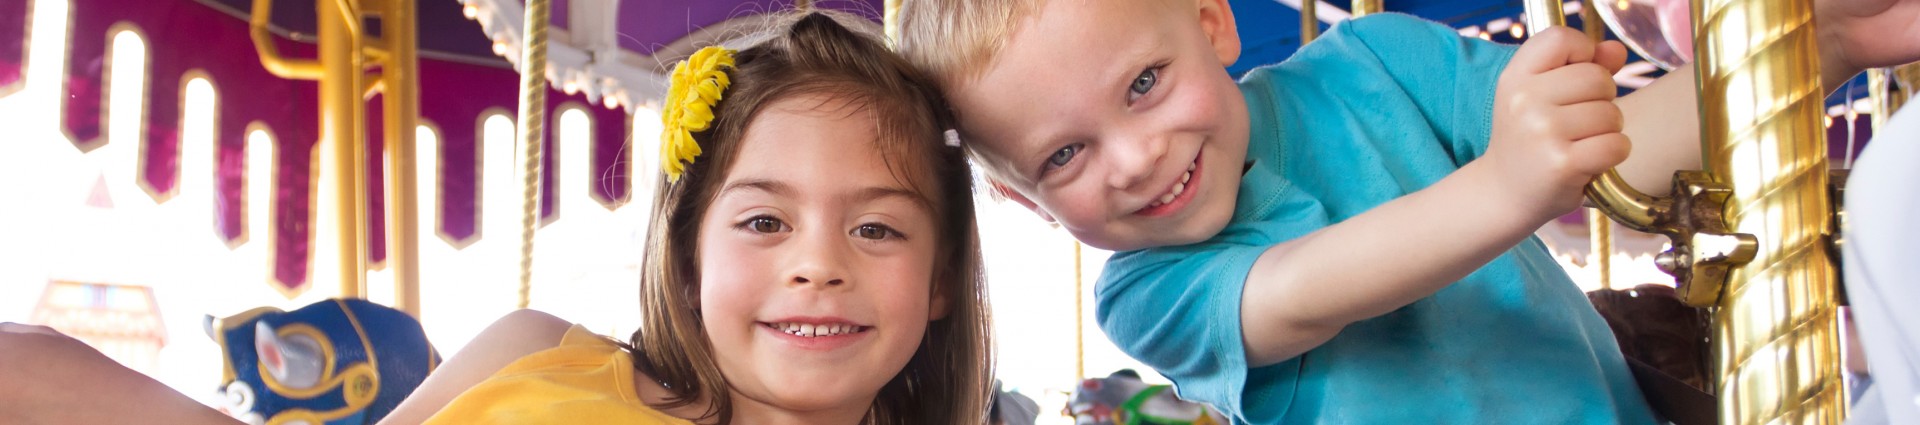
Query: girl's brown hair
x,y
837,55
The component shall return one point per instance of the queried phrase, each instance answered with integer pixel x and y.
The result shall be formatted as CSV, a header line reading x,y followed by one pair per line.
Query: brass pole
x,y
1309,24
1079,321
1543,14
1775,341
890,21
1600,236
341,148
1366,7
401,109
533,117
279,66
1590,22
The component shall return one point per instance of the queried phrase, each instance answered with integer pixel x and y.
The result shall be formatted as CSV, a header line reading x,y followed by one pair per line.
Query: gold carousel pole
x,y
341,147
1599,227
533,111
401,110
1775,331
1309,23
1079,321
1366,7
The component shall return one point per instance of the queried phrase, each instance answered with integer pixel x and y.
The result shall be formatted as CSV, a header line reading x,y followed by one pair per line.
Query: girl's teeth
x,y
807,330
1187,176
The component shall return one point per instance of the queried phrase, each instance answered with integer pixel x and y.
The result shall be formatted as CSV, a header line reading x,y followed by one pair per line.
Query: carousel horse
x,y
335,362
1123,399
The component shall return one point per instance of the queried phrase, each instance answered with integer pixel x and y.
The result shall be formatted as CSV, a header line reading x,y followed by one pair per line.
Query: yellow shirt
x,y
586,379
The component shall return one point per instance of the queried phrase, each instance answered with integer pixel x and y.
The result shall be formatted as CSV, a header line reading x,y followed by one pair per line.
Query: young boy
x,y
1343,237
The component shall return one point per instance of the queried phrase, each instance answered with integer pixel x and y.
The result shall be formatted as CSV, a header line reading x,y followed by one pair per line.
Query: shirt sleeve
x,y
1452,79
1177,309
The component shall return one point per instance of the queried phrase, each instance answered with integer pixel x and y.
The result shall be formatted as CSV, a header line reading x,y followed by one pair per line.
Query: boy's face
x,y
1118,120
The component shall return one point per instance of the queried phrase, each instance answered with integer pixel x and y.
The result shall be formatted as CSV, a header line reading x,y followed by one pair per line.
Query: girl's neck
x,y
747,410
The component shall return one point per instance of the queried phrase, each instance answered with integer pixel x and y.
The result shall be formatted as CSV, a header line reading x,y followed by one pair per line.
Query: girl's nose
x,y
820,260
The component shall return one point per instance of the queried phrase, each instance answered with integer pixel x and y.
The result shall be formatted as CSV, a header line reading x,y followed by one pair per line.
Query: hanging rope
x,y
533,111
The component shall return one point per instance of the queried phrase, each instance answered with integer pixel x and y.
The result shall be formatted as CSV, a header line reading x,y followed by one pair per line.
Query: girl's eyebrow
x,y
762,185
862,196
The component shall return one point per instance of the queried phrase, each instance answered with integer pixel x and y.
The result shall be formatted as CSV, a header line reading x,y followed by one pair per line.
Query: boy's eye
x,y
1063,156
1142,84
765,225
874,232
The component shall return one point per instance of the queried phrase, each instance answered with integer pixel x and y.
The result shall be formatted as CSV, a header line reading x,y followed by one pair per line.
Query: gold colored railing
x,y
346,52
1750,231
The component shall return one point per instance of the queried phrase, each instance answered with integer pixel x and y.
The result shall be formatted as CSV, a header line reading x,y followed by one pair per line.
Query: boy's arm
x,y
515,335
1554,127
1301,293
50,378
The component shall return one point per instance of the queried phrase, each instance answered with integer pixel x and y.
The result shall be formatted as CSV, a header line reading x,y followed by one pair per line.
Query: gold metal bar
x,y
1590,21
890,21
1079,320
342,141
279,66
401,111
1543,14
1776,349
1309,24
1367,7
533,117
1600,236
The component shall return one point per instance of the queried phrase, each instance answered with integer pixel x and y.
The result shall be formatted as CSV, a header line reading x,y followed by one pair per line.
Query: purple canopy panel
x,y
14,17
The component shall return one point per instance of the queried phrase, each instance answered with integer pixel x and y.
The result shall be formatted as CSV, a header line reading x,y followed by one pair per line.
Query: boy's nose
x,y
1133,160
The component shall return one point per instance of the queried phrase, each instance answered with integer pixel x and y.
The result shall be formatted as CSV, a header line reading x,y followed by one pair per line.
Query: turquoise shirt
x,y
1377,108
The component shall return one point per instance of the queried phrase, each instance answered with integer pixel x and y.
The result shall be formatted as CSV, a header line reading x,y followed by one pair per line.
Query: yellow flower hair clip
x,y
695,87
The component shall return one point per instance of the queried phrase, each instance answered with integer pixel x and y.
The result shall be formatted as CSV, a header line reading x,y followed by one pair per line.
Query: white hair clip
x,y
953,137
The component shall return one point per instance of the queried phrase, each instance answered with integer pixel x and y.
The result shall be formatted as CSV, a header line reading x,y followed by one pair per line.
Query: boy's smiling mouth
x,y
1177,195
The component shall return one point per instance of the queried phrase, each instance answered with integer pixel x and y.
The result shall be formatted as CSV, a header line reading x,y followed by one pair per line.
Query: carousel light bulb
x,y
500,47
571,88
470,10
1517,31
1485,36
610,101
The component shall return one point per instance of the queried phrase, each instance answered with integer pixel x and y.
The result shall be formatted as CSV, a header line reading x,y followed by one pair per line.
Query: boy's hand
x,y
1555,125
1859,34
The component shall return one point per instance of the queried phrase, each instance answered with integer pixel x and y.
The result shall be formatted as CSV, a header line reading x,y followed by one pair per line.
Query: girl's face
x,y
816,265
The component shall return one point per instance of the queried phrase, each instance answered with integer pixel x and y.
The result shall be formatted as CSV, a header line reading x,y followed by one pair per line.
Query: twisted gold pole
x,y
533,111
401,94
1776,349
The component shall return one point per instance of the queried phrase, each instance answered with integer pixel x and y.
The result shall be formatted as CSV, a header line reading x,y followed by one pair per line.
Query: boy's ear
x,y
1216,20
1014,195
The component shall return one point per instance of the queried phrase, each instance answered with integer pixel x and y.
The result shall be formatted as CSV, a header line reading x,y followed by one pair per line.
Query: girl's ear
x,y
939,304
1216,20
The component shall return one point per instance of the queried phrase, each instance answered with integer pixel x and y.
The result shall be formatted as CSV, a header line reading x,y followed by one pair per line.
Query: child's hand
x,y
1859,34
1555,125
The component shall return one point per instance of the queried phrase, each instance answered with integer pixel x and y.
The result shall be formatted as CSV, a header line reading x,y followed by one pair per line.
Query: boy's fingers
x,y
1550,49
1611,55
1576,83
1594,155
1584,120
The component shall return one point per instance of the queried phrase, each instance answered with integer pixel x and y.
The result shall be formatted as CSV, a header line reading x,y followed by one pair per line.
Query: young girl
x,y
812,259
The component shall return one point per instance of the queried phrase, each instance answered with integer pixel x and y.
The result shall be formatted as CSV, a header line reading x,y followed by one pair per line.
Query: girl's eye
x,y
875,232
765,225
1063,156
1142,84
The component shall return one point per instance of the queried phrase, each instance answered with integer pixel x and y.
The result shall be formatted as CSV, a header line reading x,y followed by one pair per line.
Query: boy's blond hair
x,y
955,40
